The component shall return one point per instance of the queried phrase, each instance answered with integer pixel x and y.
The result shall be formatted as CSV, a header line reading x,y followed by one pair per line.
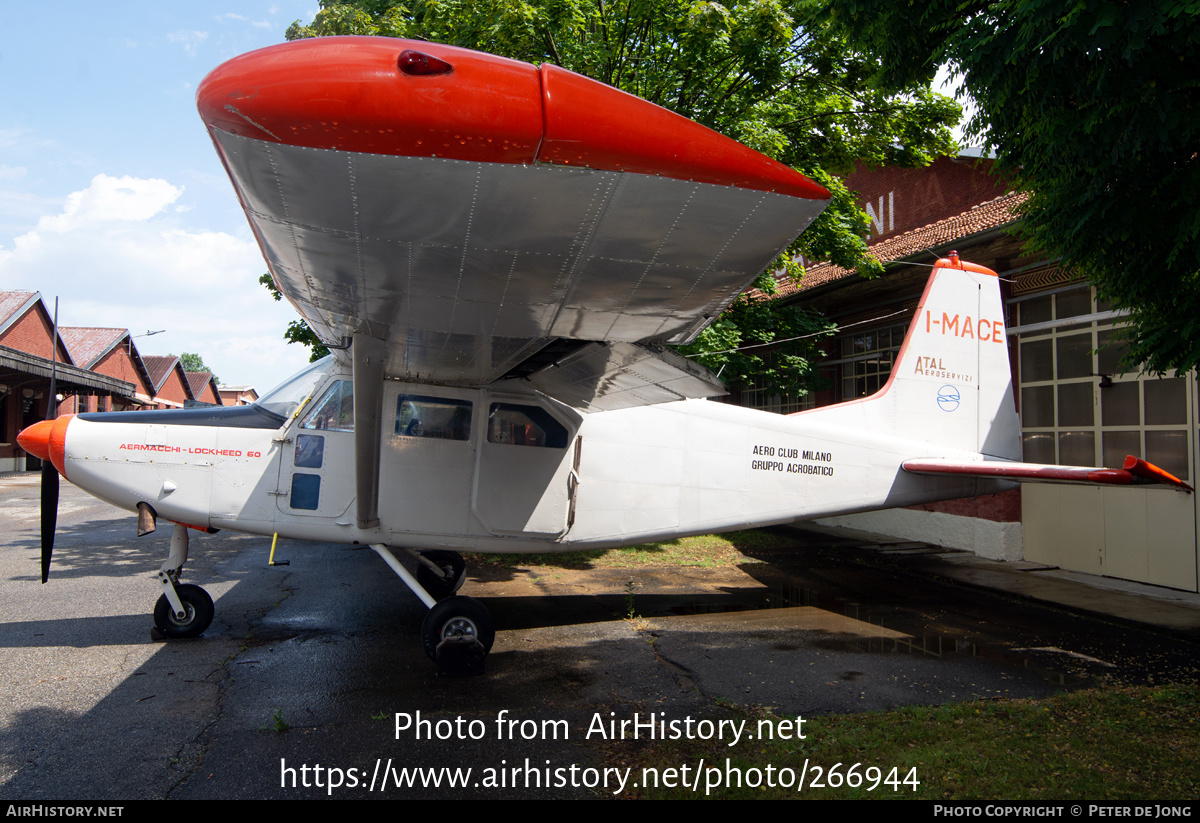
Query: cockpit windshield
x,y
284,398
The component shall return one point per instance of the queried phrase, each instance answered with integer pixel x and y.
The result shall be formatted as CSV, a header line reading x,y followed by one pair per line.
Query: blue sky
x,y
111,195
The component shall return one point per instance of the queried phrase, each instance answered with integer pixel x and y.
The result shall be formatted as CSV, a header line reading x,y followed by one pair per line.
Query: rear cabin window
x,y
439,418
525,426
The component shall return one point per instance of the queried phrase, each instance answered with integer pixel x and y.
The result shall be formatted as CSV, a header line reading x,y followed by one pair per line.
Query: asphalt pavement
x,y
312,681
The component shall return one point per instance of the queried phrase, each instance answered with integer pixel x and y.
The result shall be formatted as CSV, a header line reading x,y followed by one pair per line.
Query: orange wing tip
x,y
1148,471
380,95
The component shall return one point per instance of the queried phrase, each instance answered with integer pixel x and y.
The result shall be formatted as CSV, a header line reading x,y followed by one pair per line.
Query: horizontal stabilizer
x,y
604,377
1135,471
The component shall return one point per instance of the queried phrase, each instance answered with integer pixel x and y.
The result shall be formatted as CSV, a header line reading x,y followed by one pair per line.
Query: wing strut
x,y
368,417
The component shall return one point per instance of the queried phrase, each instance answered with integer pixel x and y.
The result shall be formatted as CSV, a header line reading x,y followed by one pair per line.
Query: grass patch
x,y
706,551
1112,743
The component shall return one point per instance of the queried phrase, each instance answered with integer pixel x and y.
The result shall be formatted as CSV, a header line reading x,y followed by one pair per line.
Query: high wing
x,y
489,219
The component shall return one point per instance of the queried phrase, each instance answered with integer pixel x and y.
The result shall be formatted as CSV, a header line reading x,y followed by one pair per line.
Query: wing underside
x,y
469,269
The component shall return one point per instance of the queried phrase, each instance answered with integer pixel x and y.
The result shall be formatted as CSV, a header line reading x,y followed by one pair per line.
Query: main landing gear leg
x,y
457,632
182,610
440,572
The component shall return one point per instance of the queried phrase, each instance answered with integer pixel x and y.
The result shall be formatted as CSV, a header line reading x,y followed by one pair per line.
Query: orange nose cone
x,y
48,441
36,439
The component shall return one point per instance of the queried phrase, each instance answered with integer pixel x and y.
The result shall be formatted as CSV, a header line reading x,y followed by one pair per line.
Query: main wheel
x,y
198,613
453,567
457,617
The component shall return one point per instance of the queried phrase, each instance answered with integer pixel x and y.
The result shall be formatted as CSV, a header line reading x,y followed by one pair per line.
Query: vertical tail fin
x,y
951,385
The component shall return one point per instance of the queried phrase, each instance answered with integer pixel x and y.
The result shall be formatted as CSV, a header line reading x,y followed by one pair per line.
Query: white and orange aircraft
x,y
499,253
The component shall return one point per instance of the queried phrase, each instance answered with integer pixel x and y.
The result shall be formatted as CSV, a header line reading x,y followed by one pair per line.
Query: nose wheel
x,y
197,613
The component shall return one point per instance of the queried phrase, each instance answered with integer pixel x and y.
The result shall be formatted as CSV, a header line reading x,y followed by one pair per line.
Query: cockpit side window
x,y
440,418
335,410
284,398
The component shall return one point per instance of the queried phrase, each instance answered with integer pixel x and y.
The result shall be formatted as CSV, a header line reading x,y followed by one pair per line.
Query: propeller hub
x,y
36,439
47,440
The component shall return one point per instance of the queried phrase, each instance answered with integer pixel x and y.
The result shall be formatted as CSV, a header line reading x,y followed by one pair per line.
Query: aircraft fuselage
x,y
496,471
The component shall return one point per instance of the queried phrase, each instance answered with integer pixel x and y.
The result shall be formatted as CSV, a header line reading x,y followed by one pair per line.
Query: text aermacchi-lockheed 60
x,y
500,254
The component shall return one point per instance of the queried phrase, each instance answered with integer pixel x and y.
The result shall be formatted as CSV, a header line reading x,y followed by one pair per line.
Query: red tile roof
x,y
88,344
992,214
198,381
12,301
159,367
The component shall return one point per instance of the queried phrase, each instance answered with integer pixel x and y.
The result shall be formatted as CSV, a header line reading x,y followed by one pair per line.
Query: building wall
x,y
898,200
119,364
234,397
208,394
32,334
1079,408
173,392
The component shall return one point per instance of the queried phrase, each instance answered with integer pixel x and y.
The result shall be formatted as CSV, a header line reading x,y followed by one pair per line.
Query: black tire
x,y
196,603
450,562
457,616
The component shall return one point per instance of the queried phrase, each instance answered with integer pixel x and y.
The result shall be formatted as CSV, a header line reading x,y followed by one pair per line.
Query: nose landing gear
x,y
182,610
197,613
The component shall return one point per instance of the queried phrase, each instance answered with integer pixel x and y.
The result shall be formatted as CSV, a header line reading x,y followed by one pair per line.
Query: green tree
x,y
1095,109
194,363
297,331
764,72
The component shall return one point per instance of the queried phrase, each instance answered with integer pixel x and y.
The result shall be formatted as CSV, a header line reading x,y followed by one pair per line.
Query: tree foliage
x,y
192,362
1095,109
764,72
297,331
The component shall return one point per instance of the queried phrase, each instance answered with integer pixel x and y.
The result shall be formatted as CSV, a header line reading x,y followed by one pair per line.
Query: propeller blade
x,y
49,514
49,472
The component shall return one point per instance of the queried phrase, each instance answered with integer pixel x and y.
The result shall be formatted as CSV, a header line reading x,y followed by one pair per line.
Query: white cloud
x,y
111,199
190,40
241,18
119,254
11,136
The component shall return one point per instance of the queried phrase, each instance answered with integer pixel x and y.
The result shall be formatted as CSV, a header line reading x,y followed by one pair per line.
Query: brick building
x,y
29,352
203,387
242,395
111,352
171,387
96,370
